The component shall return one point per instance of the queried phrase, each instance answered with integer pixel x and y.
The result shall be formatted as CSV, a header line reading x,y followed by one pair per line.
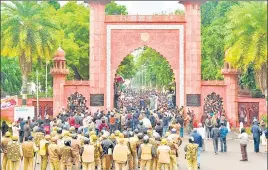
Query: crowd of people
x,y
141,134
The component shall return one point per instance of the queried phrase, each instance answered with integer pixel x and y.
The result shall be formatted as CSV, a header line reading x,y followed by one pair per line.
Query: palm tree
x,y
26,32
246,40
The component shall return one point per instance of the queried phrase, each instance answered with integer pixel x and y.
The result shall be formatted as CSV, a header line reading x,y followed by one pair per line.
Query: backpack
x,y
191,153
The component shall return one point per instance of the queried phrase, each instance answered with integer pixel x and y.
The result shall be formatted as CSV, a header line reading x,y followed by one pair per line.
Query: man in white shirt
x,y
201,130
243,144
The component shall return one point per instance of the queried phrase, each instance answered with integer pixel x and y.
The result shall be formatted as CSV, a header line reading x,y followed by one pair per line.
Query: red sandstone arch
x,y
164,41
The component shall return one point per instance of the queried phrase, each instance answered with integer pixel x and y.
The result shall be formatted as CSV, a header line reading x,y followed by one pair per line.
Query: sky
x,y
147,7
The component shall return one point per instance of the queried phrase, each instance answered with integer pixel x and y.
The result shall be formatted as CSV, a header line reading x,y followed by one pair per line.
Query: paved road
x,y
223,161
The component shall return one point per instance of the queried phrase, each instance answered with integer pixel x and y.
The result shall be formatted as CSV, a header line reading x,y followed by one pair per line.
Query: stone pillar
x,y
59,73
193,53
97,68
231,80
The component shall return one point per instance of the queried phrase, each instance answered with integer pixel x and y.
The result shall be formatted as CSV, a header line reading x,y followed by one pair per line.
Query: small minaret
x,y
59,73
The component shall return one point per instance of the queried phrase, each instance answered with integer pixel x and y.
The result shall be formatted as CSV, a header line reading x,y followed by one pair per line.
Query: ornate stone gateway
x,y
213,103
76,102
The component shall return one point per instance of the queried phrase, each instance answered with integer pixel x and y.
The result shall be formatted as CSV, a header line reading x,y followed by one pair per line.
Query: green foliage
x,y
213,22
115,9
73,19
127,67
54,3
10,76
27,32
157,69
246,40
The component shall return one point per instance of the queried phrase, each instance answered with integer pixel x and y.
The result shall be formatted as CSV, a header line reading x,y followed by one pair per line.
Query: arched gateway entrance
x,y
113,37
175,37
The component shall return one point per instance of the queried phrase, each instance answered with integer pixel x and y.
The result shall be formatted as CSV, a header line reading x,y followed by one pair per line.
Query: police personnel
x,y
66,156
43,151
163,152
14,154
145,154
133,142
4,142
76,146
120,155
54,154
97,151
87,155
28,149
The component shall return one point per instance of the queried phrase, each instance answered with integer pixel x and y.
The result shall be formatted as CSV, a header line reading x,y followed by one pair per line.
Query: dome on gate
x,y
59,55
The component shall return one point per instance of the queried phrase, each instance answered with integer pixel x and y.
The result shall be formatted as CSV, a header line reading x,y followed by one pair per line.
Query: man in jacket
x,y
256,131
215,134
107,146
223,134
198,140
26,130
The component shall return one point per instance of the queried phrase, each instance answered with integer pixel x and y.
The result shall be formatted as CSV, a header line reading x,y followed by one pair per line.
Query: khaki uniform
x,y
38,136
133,142
191,150
120,156
66,158
97,154
146,156
54,153
76,146
4,143
88,157
43,152
14,155
28,149
163,153
155,144
173,155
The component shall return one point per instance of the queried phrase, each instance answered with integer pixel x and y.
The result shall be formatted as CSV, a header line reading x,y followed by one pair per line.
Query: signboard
x,y
193,100
23,112
9,102
97,100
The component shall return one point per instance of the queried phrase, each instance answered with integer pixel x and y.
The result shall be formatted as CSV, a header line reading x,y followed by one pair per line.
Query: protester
x,y
256,131
202,132
215,134
243,144
4,128
198,140
223,134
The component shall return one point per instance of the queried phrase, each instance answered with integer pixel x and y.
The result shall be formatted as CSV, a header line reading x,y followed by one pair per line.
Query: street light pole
x,y
37,93
46,77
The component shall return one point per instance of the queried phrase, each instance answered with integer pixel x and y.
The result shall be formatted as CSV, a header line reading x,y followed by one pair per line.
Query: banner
x,y
9,102
23,112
